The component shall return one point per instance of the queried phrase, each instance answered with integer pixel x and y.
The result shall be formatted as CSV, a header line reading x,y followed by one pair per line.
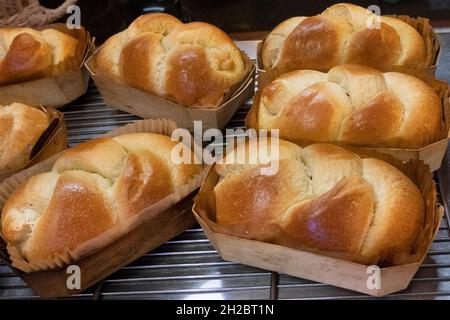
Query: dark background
x,y
239,17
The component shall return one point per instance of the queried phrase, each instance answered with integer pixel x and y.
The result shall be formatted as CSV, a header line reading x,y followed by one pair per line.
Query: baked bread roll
x,y
27,54
20,128
351,104
322,198
343,33
92,189
194,64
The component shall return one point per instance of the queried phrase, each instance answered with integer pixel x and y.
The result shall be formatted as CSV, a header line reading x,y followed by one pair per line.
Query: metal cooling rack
x,y
188,267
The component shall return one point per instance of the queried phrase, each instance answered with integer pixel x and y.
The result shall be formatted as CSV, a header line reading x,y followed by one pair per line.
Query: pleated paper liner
x,y
67,81
431,154
52,141
101,256
326,267
425,72
146,105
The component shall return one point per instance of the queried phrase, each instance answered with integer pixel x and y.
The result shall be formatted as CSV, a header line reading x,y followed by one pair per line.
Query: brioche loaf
x,y
193,64
20,128
351,104
92,188
343,33
28,54
322,198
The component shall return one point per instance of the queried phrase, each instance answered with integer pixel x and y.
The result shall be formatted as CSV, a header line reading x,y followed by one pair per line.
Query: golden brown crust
x,y
337,220
323,198
377,122
343,33
377,48
26,59
137,62
191,80
351,104
315,55
314,113
399,215
103,156
159,23
256,217
145,180
20,128
91,189
28,54
161,146
194,64
77,212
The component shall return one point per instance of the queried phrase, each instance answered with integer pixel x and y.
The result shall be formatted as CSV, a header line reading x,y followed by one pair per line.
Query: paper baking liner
x,y
52,141
426,72
164,127
431,154
327,267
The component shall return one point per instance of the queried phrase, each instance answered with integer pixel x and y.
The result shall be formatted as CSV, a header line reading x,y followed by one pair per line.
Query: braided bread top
x,y
322,197
351,104
28,54
343,33
193,64
92,188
